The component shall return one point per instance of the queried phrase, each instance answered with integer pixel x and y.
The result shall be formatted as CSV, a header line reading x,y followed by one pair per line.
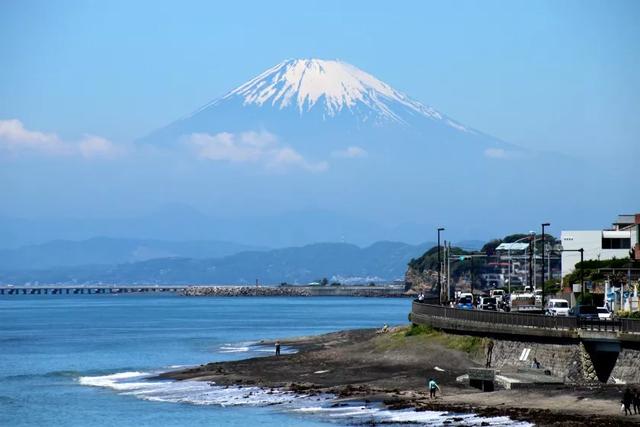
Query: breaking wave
x,y
142,385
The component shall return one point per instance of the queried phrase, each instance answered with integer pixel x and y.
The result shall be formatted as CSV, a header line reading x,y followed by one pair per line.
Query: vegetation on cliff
x,y
599,270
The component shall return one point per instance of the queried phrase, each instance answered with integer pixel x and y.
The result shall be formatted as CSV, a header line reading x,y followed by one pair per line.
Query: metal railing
x,y
496,317
630,325
526,320
600,325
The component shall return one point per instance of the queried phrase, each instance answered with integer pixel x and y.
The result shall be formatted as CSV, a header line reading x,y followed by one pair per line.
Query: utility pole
x,y
449,272
444,268
439,268
531,269
546,224
582,275
472,297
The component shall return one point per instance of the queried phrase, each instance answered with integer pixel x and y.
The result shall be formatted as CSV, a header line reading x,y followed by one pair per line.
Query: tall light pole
x,y
546,224
439,267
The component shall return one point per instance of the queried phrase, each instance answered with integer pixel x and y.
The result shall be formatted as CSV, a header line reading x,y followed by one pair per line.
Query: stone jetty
x,y
293,291
245,291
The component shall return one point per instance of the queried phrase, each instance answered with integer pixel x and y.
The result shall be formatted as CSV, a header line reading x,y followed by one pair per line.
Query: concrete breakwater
x,y
293,291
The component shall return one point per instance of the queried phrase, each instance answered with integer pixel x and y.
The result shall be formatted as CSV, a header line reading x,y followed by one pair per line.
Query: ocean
x,y
86,360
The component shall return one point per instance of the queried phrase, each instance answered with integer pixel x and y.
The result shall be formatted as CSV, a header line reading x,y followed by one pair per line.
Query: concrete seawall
x,y
294,291
574,354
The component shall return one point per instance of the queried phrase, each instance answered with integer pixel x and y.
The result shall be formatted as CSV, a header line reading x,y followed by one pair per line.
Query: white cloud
x,y
92,146
15,139
351,152
495,153
251,147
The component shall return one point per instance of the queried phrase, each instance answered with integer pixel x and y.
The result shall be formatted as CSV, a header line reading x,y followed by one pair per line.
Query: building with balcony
x,y
622,240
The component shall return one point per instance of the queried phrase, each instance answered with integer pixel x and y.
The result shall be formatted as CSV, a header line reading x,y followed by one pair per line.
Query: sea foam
x,y
142,385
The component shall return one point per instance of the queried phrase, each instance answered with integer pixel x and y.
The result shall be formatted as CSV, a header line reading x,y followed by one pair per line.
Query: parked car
x,y
465,303
488,303
604,313
585,312
557,307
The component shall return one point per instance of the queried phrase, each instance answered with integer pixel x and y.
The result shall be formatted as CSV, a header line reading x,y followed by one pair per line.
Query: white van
x,y
557,307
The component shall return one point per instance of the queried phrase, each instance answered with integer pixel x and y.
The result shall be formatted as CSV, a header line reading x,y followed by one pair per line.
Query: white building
x,y
616,242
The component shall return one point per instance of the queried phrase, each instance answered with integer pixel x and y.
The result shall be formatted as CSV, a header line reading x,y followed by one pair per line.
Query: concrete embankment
x,y
295,291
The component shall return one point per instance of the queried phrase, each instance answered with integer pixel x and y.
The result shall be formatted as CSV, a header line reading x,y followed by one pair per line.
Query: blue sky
x,y
548,75
555,75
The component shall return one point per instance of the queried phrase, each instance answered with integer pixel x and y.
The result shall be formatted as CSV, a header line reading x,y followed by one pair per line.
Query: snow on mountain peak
x,y
334,86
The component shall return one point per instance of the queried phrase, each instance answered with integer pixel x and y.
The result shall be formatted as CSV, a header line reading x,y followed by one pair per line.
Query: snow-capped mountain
x,y
320,100
331,87
316,134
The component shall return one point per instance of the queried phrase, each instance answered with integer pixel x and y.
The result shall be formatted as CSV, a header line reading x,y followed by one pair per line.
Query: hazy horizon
x,y
487,119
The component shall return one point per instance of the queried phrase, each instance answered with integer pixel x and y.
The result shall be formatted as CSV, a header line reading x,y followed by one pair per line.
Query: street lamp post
x,y
546,224
439,267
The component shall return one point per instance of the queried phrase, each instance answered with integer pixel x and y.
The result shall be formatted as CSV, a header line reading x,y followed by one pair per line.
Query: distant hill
x,y
102,250
335,261
470,245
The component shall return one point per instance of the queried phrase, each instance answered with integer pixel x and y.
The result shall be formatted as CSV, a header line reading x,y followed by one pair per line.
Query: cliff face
x,y
417,281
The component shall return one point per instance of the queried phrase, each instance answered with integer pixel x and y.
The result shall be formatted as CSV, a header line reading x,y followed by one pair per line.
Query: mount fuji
x,y
338,139
315,105
332,88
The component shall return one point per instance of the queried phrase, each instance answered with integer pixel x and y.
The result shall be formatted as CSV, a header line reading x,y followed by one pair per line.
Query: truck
x,y
525,302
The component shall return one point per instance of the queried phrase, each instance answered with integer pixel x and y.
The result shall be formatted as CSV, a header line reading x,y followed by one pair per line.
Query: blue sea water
x,y
83,360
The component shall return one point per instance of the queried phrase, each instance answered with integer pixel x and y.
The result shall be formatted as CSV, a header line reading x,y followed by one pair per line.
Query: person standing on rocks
x,y
433,387
489,353
277,348
627,399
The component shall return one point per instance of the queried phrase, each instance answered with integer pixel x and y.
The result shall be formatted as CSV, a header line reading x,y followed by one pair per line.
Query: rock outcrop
x,y
420,281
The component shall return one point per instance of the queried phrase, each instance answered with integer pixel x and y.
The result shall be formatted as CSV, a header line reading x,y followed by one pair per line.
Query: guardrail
x,y
630,325
526,320
496,317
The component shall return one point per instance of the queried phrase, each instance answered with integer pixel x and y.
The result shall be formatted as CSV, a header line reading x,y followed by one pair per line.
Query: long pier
x,y
87,289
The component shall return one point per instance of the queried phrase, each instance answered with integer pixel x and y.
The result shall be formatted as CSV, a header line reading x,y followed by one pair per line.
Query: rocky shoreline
x,y
391,368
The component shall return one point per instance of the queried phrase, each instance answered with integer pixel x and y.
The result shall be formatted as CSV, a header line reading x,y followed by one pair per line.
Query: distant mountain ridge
x,y
103,250
381,261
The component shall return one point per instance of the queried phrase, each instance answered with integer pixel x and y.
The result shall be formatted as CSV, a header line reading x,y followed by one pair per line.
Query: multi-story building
x,y
621,241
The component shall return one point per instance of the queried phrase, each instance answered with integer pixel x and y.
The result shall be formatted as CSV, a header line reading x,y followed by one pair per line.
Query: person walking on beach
x,y
433,387
627,399
636,402
277,348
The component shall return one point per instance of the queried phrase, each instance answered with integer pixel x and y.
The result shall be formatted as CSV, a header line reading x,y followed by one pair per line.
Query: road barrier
x,y
526,320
